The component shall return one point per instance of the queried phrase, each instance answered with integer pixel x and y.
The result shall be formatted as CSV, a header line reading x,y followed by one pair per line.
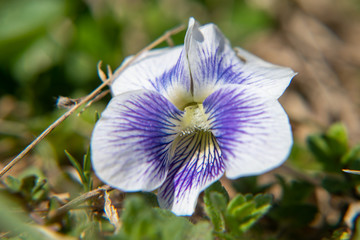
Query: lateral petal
x,y
130,143
253,131
162,70
271,78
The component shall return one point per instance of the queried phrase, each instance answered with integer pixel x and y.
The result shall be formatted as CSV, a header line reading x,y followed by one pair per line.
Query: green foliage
x,y
231,219
31,189
51,48
84,171
140,221
244,211
329,148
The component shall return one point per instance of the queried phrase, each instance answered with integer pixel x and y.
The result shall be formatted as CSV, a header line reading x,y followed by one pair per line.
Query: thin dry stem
x,y
58,213
87,98
95,99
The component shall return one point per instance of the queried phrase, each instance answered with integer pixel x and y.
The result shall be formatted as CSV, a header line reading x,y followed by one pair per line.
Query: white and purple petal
x,y
162,70
213,63
130,143
196,163
271,78
253,131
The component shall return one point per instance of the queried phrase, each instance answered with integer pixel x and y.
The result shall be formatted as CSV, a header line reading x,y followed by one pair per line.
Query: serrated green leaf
x,y
236,201
140,221
246,225
244,210
215,199
215,205
262,200
218,187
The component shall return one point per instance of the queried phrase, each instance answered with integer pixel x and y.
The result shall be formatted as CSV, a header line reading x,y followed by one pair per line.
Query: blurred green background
x,y
50,48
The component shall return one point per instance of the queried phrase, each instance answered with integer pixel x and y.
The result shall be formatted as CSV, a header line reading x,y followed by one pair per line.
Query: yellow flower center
x,y
194,119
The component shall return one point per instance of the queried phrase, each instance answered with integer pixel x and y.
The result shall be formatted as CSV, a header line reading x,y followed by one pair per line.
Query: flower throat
x,y
194,119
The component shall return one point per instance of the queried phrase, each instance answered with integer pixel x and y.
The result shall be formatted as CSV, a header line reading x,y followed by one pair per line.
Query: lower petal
x,y
130,142
253,131
196,163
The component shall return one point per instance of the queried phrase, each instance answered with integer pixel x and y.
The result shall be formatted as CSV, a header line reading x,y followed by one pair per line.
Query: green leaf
x,y
236,201
352,158
140,221
218,187
329,148
27,185
338,139
321,150
200,231
39,191
87,170
215,200
244,211
87,161
77,166
215,205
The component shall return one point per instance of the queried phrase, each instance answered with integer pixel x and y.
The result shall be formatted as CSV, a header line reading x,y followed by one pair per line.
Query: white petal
x,y
211,59
271,78
130,142
253,131
213,63
162,70
195,164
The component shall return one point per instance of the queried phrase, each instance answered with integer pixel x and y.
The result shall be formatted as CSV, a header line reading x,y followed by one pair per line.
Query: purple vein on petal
x,y
196,163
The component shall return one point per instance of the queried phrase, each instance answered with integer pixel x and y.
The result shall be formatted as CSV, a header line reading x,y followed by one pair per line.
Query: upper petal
x,y
253,131
213,63
130,142
271,78
196,163
163,70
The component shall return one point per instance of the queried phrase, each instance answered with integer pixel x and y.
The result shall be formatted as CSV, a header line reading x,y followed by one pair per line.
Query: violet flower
x,y
182,117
